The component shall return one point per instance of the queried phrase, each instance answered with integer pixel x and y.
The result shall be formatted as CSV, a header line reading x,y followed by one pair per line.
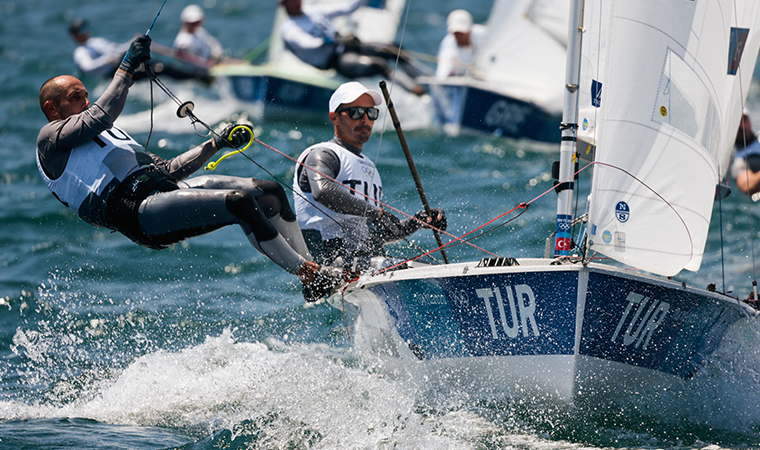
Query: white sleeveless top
x,y
105,161
356,172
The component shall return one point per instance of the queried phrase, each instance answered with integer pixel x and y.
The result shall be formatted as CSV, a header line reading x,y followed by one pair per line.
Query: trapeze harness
x,y
356,172
106,179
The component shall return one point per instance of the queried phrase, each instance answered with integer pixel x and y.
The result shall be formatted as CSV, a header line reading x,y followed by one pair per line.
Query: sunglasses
x,y
356,112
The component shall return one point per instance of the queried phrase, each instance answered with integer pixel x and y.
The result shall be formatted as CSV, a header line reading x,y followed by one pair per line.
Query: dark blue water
x,y
107,345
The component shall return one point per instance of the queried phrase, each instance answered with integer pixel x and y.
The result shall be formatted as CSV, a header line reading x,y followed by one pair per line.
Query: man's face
x,y
81,38
744,135
192,26
463,39
354,132
292,7
74,100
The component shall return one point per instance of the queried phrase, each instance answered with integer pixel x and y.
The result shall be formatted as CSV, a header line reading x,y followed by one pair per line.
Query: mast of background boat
x,y
567,153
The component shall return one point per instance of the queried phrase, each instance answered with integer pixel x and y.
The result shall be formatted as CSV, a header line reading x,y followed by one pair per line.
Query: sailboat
x,y
286,88
514,88
653,96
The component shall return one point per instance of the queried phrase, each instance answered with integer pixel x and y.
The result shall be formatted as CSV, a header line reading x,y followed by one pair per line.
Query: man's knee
x,y
275,200
243,205
354,65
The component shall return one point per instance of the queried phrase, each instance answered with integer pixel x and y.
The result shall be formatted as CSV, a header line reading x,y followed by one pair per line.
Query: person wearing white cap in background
x,y
338,223
193,41
745,169
456,53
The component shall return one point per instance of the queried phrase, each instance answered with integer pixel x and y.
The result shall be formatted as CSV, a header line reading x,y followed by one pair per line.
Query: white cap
x,y
459,21
349,92
191,14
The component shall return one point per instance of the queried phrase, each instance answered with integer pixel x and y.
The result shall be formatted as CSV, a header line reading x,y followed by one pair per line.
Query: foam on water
x,y
222,384
321,396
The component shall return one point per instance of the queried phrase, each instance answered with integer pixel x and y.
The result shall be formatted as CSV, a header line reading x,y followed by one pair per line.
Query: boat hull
x,y
281,98
567,333
286,93
468,108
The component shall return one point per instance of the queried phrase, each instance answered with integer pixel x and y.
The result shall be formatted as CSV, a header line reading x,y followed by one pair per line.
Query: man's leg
x,y
271,198
358,65
171,217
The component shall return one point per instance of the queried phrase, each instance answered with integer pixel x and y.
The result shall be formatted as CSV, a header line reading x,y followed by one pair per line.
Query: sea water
x,y
107,345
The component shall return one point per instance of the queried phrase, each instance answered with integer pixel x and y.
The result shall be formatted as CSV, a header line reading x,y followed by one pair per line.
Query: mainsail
x,y
661,94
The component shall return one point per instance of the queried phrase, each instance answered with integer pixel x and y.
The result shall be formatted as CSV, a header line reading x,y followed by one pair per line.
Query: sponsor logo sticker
x,y
622,212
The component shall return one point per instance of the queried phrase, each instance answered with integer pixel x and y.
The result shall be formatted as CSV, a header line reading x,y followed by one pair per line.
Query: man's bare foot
x,y
319,281
307,272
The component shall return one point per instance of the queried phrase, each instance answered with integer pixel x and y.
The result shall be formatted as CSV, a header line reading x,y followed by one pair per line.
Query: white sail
x,y
673,78
523,55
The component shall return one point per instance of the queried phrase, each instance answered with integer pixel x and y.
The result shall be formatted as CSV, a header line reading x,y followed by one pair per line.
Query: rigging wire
x,y
154,19
749,196
150,72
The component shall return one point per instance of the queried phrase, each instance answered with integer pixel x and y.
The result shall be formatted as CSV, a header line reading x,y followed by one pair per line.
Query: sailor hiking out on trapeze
x,y
108,179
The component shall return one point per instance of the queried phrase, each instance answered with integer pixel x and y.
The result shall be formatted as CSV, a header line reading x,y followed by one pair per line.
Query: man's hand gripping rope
x,y
233,136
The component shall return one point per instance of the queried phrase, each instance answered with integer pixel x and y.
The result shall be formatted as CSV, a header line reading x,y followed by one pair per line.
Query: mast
x,y
563,236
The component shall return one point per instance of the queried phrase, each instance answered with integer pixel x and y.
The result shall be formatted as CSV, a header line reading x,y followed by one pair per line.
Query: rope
x,y
458,240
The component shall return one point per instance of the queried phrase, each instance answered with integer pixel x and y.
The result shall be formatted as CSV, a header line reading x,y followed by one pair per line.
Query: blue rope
x,y
154,19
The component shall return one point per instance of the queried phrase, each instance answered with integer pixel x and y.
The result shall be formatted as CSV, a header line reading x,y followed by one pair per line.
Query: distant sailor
x,y
339,223
456,53
193,41
310,35
746,166
109,180
95,56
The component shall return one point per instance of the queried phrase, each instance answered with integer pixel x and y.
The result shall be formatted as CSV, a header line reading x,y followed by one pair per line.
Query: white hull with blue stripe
x,y
568,333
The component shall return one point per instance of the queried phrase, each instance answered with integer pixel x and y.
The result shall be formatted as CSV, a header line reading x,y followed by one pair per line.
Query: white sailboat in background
x,y
286,87
659,95
515,86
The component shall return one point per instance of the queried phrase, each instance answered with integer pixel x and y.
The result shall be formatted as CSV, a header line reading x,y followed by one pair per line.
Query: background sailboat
x,y
665,85
285,87
515,86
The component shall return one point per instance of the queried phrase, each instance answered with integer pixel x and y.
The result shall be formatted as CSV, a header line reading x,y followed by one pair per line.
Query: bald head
x,y
63,96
